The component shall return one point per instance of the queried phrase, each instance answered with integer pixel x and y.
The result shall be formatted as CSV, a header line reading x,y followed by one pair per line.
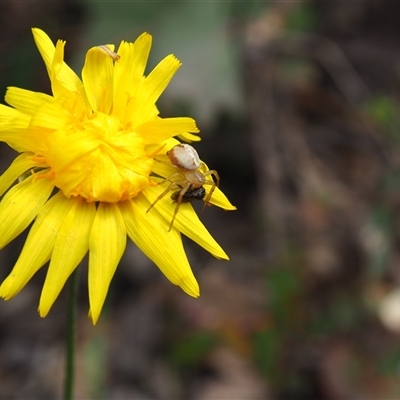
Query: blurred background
x,y
298,105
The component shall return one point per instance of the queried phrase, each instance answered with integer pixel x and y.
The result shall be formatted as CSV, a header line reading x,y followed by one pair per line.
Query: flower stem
x,y
70,339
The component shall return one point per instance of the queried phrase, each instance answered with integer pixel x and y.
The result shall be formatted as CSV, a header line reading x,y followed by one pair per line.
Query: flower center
x,y
96,159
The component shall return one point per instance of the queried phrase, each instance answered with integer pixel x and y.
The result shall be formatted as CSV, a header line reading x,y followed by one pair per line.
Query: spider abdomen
x,y
184,157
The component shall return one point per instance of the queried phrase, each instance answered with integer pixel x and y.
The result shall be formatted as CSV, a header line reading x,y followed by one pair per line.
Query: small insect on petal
x,y
197,193
105,49
184,157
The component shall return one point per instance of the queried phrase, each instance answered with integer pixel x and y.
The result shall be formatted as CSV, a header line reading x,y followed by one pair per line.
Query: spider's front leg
x,y
169,179
168,189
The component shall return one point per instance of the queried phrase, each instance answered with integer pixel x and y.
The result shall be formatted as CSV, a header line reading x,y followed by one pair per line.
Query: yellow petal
x,y
71,244
188,137
20,165
66,146
149,231
106,245
64,73
220,200
45,46
129,70
7,114
165,128
51,116
154,84
38,245
58,86
97,76
26,101
22,140
13,130
186,221
20,206
159,78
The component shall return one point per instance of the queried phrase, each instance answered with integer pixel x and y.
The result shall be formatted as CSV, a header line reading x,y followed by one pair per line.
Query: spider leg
x,y
164,162
169,179
212,172
213,186
168,189
178,203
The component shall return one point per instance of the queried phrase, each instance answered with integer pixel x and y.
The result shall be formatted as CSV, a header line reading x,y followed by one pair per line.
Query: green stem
x,y
70,339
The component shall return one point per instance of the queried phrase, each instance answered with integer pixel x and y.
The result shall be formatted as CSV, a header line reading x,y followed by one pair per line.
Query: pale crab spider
x,y
187,182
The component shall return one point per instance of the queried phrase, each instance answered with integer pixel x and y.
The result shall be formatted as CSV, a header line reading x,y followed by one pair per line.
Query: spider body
x,y
188,180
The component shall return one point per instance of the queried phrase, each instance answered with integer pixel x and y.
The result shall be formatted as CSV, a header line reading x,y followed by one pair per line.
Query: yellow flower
x,y
86,172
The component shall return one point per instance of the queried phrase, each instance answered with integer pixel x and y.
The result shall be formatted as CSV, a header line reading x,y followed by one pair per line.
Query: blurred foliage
x,y
385,113
302,17
390,362
191,350
268,347
382,226
95,358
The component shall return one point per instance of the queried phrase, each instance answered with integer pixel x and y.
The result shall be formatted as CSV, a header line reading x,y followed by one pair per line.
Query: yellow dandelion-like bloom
x,y
86,173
